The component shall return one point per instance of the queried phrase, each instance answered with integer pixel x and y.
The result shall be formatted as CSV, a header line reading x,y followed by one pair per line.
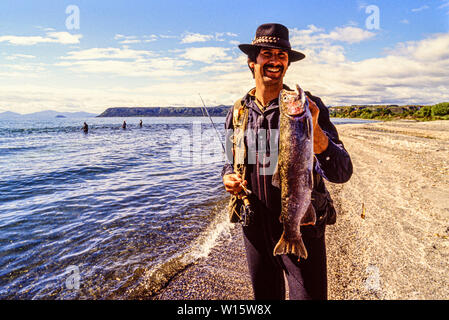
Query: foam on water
x,y
148,282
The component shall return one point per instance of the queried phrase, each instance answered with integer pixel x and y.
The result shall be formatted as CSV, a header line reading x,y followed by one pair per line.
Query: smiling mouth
x,y
273,69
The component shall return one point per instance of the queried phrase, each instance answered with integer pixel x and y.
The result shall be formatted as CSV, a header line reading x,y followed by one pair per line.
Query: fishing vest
x,y
322,200
240,121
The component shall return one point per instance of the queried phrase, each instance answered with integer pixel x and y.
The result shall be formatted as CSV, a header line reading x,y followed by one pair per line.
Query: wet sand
x,y
399,250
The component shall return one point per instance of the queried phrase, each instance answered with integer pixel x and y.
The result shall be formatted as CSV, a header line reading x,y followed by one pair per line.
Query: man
x,y
269,57
85,128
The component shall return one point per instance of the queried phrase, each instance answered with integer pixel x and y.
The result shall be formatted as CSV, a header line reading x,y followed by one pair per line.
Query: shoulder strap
x,y
240,121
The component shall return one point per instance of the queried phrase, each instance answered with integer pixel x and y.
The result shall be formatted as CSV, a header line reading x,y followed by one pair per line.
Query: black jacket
x,y
334,164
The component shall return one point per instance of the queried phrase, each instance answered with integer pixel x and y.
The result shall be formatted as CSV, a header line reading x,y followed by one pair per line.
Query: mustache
x,y
273,66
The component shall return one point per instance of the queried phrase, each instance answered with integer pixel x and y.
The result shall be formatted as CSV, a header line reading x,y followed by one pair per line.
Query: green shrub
x,y
440,109
424,112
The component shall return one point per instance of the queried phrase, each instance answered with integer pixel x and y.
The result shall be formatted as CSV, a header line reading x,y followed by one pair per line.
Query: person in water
x,y
124,125
85,128
140,123
269,57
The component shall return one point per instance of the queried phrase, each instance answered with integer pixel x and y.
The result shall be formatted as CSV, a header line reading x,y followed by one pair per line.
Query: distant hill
x,y
219,111
9,115
42,115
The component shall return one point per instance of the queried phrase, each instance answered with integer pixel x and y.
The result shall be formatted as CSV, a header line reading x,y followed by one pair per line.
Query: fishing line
x,y
246,211
213,124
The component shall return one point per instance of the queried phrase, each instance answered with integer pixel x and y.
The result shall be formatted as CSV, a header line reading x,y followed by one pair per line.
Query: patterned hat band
x,y
265,39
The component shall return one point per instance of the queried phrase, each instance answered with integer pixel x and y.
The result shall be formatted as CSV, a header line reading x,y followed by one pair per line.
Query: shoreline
x,y
222,275
400,250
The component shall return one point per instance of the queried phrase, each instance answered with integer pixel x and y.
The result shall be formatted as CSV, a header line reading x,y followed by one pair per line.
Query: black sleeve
x,y
334,164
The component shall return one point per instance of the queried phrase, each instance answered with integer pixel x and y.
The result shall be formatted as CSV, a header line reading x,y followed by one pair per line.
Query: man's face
x,y
271,65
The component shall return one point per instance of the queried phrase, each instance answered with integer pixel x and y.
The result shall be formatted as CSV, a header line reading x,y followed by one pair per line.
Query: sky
x,y
91,55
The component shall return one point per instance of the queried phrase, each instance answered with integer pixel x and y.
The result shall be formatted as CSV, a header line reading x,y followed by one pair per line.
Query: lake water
x,y
109,214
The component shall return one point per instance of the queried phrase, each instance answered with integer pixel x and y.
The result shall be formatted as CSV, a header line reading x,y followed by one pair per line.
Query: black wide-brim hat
x,y
272,35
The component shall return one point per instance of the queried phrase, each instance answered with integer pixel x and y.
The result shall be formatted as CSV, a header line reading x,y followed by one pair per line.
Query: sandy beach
x,y
399,250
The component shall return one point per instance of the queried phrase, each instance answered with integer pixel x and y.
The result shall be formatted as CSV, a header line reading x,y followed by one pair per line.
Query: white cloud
x,y
51,37
196,37
131,41
410,72
166,36
107,53
420,8
162,68
126,39
17,56
219,36
206,54
150,38
433,48
349,35
123,62
322,46
317,36
122,39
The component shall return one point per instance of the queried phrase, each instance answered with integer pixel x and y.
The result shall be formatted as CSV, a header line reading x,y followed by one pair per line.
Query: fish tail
x,y
295,247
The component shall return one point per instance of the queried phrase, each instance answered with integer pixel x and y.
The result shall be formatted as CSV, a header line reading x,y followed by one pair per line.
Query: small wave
x,y
10,150
219,228
98,128
45,183
150,282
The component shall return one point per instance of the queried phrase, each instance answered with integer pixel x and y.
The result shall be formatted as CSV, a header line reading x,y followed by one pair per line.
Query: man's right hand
x,y
232,183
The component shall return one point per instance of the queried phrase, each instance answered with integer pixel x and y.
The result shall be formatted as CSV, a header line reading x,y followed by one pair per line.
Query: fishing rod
x,y
246,212
213,124
246,190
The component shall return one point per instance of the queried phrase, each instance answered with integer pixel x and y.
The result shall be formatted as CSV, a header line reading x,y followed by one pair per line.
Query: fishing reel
x,y
246,212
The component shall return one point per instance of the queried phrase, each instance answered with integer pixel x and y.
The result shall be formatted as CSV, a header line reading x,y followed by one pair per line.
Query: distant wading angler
x,y
281,189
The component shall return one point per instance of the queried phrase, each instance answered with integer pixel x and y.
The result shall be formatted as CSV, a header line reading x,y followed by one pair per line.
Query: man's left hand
x,y
320,140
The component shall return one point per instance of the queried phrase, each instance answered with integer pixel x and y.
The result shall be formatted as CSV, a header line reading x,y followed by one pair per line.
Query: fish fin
x,y
310,217
309,128
310,179
301,94
295,247
276,179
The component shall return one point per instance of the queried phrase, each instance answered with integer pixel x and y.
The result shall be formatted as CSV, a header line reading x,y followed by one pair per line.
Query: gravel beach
x,y
398,250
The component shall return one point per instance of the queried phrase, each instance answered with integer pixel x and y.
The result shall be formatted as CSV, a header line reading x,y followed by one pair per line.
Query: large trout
x,y
294,174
